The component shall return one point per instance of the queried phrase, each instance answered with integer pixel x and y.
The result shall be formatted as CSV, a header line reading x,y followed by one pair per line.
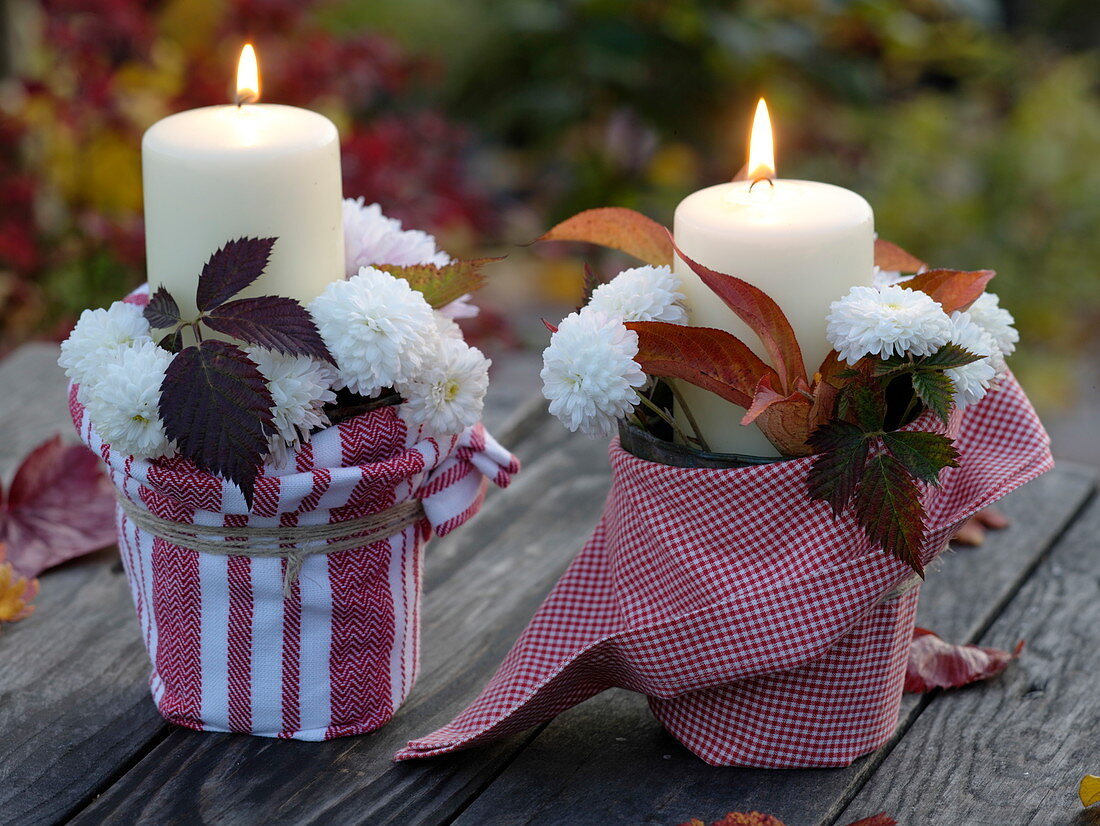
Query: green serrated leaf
x,y
923,454
217,407
948,356
868,405
936,390
889,509
442,285
894,364
842,450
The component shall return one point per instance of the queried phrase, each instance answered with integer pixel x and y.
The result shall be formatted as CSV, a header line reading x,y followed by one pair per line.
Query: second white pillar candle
x,y
803,243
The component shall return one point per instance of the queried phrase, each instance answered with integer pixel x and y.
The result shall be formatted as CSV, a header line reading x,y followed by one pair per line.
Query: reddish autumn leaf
x,y
892,257
763,316
712,359
934,663
953,289
60,506
619,228
442,285
748,819
785,420
881,819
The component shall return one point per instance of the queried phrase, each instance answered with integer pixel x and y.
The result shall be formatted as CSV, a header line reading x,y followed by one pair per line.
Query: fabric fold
x,y
723,594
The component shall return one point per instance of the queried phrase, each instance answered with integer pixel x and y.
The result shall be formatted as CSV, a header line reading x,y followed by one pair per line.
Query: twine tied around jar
x,y
292,542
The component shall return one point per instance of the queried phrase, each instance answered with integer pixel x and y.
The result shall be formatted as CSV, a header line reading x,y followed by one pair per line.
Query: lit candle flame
x,y
761,164
248,76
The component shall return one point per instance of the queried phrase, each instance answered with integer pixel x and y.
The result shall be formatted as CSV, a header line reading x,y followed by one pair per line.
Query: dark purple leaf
x,y
270,321
173,342
216,406
60,506
162,311
231,269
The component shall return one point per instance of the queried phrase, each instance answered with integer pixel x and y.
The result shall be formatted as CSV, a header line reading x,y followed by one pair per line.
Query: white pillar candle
x,y
223,172
803,243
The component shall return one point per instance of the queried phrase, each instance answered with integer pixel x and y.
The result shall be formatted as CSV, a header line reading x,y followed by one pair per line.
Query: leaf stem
x,y
667,419
680,400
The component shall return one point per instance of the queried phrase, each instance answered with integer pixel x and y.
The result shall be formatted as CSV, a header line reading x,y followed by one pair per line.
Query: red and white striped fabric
x,y
761,629
340,654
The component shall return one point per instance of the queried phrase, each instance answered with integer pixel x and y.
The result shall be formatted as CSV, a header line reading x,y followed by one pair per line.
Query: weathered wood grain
x,y
483,583
609,761
74,706
74,702
1012,751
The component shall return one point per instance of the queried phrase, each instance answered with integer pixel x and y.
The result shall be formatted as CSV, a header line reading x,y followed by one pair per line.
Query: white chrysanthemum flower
x,y
97,338
589,373
447,327
123,400
448,395
300,387
460,308
988,314
893,321
972,381
641,294
378,328
372,239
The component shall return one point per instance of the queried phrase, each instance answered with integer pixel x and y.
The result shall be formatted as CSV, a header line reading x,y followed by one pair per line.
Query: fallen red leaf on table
x,y
973,531
60,506
758,819
934,663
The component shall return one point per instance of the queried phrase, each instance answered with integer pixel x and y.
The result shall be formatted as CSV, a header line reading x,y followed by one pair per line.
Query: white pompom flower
x,y
448,395
300,387
372,239
461,308
972,381
988,314
123,401
447,327
589,373
378,328
891,321
97,338
641,294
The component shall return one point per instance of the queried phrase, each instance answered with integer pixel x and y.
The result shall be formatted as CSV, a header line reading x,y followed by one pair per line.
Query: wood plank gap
x,y
147,748
875,761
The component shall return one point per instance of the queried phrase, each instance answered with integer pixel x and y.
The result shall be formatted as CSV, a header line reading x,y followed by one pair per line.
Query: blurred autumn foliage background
x,y
972,127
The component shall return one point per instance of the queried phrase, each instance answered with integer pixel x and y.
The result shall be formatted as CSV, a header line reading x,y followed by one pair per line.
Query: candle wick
x,y
770,182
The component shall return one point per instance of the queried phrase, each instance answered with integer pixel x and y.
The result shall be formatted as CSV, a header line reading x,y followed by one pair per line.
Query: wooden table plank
x,y
483,583
609,761
1012,751
73,701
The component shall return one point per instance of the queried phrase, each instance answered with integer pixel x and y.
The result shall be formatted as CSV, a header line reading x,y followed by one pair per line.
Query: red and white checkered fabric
x,y
340,654
756,624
